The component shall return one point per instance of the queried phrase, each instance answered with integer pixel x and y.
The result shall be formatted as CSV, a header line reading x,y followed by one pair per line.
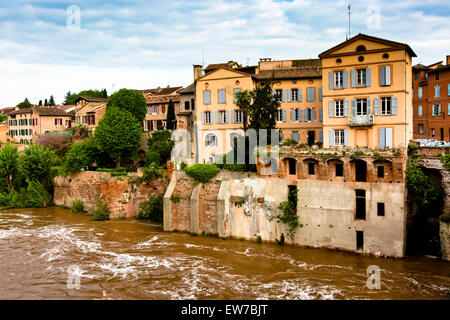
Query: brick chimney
x,y
198,72
448,60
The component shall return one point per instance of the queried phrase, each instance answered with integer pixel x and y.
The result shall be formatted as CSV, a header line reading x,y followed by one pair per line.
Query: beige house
x,y
89,111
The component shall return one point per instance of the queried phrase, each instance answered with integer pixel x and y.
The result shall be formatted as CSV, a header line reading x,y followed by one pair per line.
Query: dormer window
x,y
361,48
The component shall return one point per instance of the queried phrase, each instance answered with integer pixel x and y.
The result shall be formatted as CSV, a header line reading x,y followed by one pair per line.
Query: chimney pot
x,y
448,60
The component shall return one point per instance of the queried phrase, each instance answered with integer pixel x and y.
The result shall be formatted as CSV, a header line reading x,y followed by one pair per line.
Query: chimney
x,y
198,72
448,60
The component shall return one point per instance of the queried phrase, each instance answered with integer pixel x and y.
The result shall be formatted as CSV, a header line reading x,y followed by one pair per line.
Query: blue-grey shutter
x,y
203,118
320,114
376,106
284,95
289,95
353,107
217,117
330,80
394,105
321,136
345,79
353,78
284,115
300,115
300,96
369,110
346,137
346,108
382,76
331,138
439,109
320,94
448,90
295,136
419,111
232,116
419,92
368,77
313,115
292,115
448,109
306,115
330,108
433,113
227,115
311,94
382,137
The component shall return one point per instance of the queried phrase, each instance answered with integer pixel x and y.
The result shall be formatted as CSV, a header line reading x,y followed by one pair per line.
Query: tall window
x,y
361,75
149,110
339,79
211,140
208,117
221,96
339,108
386,106
339,138
207,97
279,115
385,76
294,94
186,105
222,117
155,109
420,128
419,92
361,107
239,118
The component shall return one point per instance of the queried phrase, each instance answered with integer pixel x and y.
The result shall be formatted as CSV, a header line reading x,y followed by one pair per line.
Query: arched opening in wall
x,y
360,170
311,166
335,168
383,170
292,166
422,225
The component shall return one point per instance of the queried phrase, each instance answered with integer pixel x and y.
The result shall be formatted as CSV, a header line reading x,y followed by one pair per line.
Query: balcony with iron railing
x,y
363,120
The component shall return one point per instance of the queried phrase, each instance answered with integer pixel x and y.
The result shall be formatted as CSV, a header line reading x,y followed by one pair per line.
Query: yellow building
x,y
217,119
367,100
298,85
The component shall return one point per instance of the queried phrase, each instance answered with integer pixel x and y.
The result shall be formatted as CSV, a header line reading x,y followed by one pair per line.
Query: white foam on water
x,y
153,242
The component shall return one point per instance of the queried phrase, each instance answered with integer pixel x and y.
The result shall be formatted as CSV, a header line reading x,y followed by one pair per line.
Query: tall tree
x,y
45,102
40,103
24,104
129,100
51,101
118,134
170,120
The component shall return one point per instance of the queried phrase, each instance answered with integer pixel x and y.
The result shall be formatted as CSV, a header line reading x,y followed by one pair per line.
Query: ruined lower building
x,y
349,200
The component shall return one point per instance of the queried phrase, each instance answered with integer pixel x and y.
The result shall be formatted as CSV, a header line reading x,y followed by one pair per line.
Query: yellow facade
x,y
385,118
218,117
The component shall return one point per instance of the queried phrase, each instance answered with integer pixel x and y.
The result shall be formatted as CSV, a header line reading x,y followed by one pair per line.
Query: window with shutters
x,y
437,91
339,79
361,77
361,107
145,125
294,94
339,108
206,97
211,140
222,117
279,115
186,105
238,116
155,109
163,108
295,114
221,93
420,128
386,106
339,138
208,117
385,76
279,94
149,110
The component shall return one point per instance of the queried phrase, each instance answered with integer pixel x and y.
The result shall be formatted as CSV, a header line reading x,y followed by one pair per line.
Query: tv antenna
x,y
349,19
248,61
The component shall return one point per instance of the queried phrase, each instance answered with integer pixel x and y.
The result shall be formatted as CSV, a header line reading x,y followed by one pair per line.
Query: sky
x,y
49,47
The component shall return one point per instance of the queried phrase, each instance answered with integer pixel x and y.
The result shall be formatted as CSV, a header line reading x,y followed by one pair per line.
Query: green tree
x,y
8,166
3,118
45,102
81,155
161,142
40,103
70,98
130,100
170,120
118,134
51,101
36,164
25,104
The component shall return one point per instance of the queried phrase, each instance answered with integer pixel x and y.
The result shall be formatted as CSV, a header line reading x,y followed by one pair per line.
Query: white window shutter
x,y
382,138
376,106
346,137
331,138
389,137
394,105
388,75
345,108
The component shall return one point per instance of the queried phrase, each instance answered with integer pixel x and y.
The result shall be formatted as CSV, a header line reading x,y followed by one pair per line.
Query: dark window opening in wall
x,y
380,170
360,204
437,75
380,209
359,240
292,166
311,137
360,170
442,134
339,170
311,168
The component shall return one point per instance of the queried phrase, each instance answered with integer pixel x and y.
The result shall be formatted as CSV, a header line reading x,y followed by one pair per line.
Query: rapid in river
x,y
131,259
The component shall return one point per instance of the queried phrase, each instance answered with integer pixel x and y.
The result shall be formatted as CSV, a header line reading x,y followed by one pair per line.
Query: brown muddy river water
x,y
135,260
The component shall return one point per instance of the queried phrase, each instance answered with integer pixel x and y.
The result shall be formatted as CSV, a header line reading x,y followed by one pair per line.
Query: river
x,y
130,259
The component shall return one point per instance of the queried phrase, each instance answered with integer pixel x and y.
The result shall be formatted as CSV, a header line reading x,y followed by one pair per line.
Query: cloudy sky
x,y
144,44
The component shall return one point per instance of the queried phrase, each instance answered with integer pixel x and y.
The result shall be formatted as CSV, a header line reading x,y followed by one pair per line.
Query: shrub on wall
x,y
37,195
289,216
153,157
77,206
160,142
421,188
202,172
151,210
445,160
101,211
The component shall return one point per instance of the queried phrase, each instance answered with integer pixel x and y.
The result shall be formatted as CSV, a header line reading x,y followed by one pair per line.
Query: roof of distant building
x,y
189,89
51,112
20,111
7,110
291,73
161,91
226,65
90,99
